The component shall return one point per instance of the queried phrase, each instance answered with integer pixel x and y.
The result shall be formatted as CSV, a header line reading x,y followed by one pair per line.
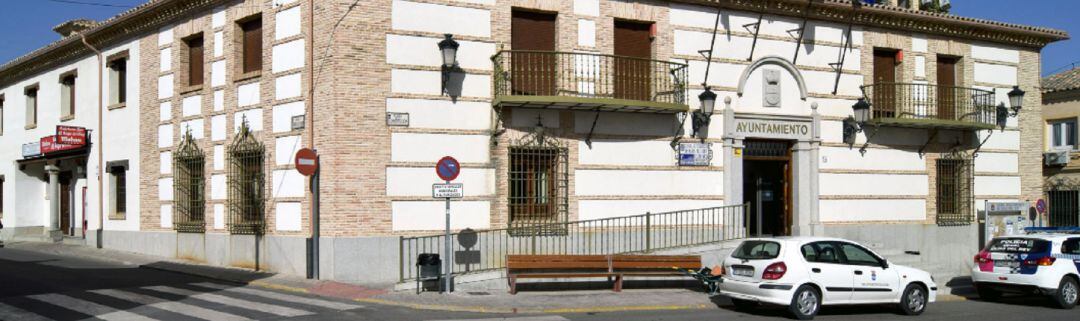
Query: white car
x,y
805,273
1031,264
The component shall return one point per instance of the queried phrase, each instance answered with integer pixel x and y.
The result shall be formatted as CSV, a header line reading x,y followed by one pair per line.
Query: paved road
x,y
38,286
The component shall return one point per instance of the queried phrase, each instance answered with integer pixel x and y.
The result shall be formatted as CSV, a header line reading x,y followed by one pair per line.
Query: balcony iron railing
x,y
930,106
586,81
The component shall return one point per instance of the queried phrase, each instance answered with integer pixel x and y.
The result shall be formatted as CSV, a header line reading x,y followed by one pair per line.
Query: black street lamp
x,y
448,49
703,114
1016,99
861,109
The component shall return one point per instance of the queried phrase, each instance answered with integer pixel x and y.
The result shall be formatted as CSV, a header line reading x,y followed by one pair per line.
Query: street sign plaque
x,y
695,154
451,190
448,168
307,161
999,207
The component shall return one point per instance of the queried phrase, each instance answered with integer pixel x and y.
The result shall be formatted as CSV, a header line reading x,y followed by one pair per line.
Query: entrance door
x,y
633,76
65,203
533,64
946,88
767,185
884,77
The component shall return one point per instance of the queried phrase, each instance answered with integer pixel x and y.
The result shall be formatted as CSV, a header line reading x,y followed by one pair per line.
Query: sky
x,y
26,25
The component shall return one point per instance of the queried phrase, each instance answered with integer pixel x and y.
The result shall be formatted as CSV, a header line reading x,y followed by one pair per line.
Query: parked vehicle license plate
x,y
1008,264
747,272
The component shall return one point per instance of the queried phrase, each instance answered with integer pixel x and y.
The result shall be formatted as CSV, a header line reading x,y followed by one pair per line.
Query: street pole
x,y
315,222
449,256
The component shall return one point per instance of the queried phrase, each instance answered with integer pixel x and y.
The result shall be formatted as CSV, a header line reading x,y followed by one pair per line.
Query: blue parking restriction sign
x,y
448,168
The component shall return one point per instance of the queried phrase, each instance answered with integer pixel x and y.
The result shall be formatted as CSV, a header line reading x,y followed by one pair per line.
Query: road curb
x,y
531,310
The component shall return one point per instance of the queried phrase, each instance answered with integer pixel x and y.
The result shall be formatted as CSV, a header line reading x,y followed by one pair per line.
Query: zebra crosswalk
x,y
202,301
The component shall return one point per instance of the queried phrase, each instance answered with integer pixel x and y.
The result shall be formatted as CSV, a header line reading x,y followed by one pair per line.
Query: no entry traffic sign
x,y
448,168
307,161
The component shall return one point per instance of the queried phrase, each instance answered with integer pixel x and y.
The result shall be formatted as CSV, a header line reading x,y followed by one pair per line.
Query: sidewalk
x,y
480,301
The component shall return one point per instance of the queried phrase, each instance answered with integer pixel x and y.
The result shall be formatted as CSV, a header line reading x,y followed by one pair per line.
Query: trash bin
x,y
428,267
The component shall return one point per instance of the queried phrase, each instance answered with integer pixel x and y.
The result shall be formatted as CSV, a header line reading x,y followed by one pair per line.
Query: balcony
x,y
930,106
585,81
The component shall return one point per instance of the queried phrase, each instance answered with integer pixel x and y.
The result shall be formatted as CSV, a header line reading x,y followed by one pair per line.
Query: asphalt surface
x,y
39,286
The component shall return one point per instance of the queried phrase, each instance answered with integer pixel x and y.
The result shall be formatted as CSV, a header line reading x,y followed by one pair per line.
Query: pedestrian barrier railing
x,y
486,250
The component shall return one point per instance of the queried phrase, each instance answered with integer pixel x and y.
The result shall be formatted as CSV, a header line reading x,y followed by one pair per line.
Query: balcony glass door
x,y
533,72
884,73
633,76
947,93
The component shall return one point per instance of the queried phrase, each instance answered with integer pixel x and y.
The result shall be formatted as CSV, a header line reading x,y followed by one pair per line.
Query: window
x,y
1063,134
1016,245
118,79
821,252
31,106
856,255
117,181
954,191
537,184
67,96
757,250
245,180
251,45
1,114
188,186
1070,246
195,61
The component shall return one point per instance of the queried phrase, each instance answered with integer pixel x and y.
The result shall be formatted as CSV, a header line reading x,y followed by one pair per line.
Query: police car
x,y
805,273
1041,263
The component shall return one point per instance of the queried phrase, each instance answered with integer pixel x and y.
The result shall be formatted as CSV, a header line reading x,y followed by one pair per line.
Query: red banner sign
x,y
71,135
51,144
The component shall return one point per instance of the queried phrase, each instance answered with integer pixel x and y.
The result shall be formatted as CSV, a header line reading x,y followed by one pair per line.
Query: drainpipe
x,y
100,140
311,141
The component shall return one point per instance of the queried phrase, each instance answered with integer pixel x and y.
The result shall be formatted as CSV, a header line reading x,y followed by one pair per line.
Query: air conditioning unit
x,y
1056,158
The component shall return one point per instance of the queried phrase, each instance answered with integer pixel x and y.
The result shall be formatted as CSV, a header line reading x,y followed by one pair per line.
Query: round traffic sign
x,y
1040,206
307,161
448,168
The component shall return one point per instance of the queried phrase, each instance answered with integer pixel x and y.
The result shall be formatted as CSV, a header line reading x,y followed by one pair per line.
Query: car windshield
x,y
1018,245
757,250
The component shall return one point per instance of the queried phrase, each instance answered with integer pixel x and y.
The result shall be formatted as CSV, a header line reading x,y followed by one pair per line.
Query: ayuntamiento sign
x,y
768,128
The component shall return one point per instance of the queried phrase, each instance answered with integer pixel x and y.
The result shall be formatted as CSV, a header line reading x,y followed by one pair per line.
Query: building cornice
x,y
899,18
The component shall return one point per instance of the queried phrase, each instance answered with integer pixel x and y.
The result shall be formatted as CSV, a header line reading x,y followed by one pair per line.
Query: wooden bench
x,y
592,266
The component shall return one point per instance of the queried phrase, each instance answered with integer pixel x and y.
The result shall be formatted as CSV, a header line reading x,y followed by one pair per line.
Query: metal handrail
x,y
588,75
930,102
616,235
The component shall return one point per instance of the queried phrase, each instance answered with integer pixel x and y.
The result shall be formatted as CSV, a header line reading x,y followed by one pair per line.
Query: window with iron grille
x,y
538,193
954,191
189,186
245,181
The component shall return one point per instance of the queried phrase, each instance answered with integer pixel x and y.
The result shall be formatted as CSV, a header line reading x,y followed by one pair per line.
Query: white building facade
x,y
558,111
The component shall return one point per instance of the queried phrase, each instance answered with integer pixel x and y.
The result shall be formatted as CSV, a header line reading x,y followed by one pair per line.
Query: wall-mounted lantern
x,y
702,115
448,48
1016,99
854,124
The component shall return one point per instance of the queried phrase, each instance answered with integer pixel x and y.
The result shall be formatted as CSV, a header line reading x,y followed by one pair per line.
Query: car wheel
x,y
743,305
987,294
914,300
805,303
1067,293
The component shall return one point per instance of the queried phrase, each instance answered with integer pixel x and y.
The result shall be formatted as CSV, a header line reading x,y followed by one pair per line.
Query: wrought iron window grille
x,y
539,180
189,183
955,191
246,182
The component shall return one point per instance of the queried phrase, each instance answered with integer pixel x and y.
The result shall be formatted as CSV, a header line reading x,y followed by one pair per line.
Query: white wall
x,y
24,191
